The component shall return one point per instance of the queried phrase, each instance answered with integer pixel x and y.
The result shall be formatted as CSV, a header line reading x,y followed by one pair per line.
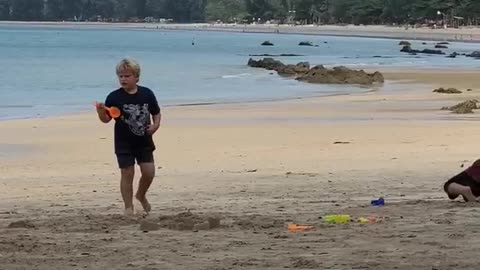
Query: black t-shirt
x,y
130,127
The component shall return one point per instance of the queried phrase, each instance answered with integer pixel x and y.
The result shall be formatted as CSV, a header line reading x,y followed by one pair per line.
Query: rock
x,y
266,63
475,54
453,55
447,91
305,43
273,55
293,70
267,43
409,49
340,75
430,51
439,46
318,74
464,107
443,43
404,43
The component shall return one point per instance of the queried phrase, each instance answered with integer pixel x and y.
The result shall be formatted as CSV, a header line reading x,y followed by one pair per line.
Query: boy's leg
x,y
148,173
146,162
455,189
126,187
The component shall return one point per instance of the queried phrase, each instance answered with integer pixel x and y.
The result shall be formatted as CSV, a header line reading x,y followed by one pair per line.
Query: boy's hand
x,y
102,112
100,108
151,129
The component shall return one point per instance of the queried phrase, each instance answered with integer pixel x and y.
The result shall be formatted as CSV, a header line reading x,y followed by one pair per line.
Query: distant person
x,y
139,120
465,184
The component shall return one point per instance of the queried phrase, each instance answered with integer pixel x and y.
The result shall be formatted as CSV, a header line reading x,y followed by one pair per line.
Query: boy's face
x,y
127,79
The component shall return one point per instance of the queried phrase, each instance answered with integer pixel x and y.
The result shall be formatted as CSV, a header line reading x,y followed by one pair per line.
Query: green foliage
x,y
303,11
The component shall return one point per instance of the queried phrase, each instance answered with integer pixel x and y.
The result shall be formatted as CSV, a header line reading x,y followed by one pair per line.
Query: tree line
x,y
245,11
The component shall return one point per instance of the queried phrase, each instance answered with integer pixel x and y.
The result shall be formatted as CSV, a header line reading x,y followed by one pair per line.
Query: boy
x,y
133,131
466,184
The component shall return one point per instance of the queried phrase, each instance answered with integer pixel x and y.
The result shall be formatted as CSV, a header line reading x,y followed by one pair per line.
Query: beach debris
x,y
447,90
371,219
469,90
318,74
378,202
464,107
404,43
299,228
267,43
252,171
340,142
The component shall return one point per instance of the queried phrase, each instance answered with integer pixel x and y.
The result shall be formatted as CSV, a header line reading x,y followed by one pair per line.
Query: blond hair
x,y
128,64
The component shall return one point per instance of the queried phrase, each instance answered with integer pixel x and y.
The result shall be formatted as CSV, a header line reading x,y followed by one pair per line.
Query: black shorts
x,y
465,180
126,160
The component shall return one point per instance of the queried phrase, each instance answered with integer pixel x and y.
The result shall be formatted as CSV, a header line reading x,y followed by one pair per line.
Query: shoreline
x,y
394,75
465,34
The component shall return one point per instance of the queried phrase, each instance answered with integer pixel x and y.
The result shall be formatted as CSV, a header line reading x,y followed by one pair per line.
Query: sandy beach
x,y
462,34
256,168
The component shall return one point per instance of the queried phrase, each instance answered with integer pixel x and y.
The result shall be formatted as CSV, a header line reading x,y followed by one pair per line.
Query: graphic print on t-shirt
x,y
136,117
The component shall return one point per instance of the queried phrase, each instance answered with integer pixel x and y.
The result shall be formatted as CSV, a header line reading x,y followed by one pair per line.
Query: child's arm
x,y
155,125
102,113
154,109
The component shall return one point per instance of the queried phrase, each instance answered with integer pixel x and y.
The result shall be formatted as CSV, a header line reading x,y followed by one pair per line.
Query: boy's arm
x,y
155,125
156,114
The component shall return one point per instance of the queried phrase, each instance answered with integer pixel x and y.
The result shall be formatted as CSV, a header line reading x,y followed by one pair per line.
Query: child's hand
x,y
151,129
100,108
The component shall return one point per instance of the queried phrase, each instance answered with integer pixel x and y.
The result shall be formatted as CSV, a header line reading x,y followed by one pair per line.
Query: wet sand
x,y
255,168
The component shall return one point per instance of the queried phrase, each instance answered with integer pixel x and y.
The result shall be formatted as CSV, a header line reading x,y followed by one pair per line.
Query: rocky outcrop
x,y
305,43
340,75
267,43
319,74
409,49
404,43
463,108
447,90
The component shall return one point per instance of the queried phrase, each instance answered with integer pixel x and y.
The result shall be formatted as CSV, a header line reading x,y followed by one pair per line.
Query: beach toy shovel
x,y
299,228
114,112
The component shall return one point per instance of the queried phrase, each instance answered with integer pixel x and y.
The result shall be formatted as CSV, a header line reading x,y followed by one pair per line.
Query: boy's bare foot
x,y
145,204
128,212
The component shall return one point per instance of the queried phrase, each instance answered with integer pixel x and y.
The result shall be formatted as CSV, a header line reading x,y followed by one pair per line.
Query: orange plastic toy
x,y
299,228
114,112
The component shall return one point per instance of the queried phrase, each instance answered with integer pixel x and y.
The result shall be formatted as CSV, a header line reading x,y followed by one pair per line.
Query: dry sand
x,y
257,168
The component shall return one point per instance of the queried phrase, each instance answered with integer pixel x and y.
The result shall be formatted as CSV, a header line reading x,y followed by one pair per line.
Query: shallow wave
x,y
235,76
